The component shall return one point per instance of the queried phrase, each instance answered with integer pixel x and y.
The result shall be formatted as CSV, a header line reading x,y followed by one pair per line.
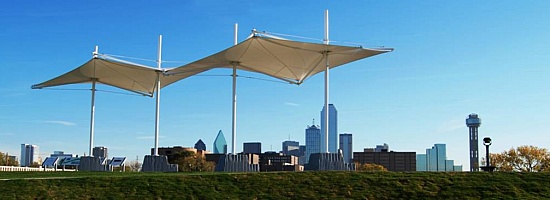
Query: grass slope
x,y
288,185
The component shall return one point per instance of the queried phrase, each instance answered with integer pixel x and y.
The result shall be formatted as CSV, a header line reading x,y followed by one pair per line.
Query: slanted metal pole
x,y
157,112
326,41
234,116
92,109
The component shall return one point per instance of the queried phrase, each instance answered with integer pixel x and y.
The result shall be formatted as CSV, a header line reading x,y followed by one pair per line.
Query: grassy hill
x,y
287,185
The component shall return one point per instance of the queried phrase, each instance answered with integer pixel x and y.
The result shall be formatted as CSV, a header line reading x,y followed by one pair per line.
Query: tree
x,y
35,164
188,161
369,167
522,159
132,166
6,160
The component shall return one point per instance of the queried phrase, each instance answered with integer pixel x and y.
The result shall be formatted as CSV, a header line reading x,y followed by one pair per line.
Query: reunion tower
x,y
473,123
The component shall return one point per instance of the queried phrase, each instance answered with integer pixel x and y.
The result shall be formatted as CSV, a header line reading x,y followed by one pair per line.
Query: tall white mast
x,y
157,113
326,41
234,116
92,109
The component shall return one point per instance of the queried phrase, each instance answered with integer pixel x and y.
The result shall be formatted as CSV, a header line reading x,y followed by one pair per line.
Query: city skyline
x,y
431,156
451,59
435,159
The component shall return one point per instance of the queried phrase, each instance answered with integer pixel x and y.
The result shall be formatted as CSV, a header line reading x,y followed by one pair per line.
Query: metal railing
x,y
29,169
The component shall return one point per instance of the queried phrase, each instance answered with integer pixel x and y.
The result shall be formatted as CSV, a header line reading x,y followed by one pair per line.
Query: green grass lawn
x,y
284,185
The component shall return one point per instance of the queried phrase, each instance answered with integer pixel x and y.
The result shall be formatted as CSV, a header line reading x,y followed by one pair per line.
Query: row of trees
x,y
6,160
521,159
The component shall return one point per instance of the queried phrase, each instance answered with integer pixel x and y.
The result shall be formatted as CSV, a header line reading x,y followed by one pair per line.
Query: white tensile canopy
x,y
127,76
291,61
107,70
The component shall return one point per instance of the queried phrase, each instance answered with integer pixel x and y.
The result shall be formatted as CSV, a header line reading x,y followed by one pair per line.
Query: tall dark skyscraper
x,y
302,158
291,146
200,145
473,123
252,147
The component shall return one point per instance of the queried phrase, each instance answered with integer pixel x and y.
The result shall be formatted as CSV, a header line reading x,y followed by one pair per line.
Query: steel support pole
x,y
92,109
92,118
234,114
326,41
157,112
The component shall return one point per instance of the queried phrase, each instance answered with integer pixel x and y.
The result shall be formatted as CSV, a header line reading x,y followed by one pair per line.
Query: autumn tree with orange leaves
x,y
522,159
369,167
6,160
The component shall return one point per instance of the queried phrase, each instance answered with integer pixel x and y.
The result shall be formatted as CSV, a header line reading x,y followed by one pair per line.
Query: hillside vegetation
x,y
287,185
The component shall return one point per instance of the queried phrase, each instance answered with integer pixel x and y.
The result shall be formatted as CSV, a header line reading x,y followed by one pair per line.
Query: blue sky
x,y
451,59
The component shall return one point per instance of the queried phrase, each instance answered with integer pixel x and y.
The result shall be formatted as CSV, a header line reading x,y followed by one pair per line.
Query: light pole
x,y
488,168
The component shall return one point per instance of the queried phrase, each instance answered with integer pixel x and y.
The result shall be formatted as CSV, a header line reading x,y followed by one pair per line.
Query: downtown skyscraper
x,y
435,160
200,145
436,157
332,129
29,155
220,145
346,145
291,148
313,141
252,147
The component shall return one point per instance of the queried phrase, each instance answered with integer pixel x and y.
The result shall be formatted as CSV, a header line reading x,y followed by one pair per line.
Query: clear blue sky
x,y
451,59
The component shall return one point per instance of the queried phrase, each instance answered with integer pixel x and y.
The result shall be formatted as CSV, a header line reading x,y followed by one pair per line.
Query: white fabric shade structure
x,y
290,61
126,76
110,71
